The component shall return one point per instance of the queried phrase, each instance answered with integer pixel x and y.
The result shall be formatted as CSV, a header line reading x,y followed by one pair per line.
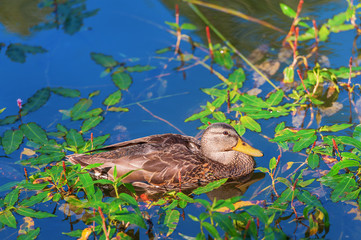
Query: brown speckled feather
x,y
163,160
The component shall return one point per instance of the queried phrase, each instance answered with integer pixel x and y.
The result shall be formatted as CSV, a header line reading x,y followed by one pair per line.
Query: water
x,y
133,31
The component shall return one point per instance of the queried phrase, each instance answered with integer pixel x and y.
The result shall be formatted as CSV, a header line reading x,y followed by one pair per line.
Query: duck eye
x,y
225,133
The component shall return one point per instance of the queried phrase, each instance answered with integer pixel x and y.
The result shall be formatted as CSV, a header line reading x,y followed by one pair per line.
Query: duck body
x,y
173,160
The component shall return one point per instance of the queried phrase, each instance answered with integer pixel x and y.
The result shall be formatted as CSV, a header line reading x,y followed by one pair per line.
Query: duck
x,y
170,161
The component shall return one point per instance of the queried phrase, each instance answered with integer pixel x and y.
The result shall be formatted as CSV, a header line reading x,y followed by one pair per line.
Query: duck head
x,y
221,142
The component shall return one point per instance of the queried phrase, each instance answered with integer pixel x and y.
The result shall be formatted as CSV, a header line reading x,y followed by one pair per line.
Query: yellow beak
x,y
247,149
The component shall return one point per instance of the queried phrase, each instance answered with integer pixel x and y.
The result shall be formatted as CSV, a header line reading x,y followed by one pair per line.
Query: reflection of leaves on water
x,y
17,52
70,15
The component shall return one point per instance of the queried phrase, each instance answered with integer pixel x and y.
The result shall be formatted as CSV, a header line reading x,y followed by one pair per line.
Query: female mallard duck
x,y
173,160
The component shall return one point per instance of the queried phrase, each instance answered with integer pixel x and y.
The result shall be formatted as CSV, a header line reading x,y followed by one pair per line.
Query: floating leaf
x,y
104,60
275,98
73,138
92,113
334,128
34,133
210,186
9,120
2,109
313,160
113,98
12,197
12,140
93,94
36,101
7,218
28,212
118,109
80,107
34,199
122,80
32,234
171,220
91,123
139,68
304,143
250,123
346,185
66,92
341,165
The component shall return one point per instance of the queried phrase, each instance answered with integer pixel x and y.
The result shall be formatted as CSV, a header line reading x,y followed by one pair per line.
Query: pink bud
x,y
20,103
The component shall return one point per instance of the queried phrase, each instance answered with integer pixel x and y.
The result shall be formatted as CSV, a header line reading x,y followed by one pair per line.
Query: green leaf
x,y
139,68
12,197
341,165
250,123
225,223
32,234
36,101
357,133
76,233
73,138
113,98
275,98
12,140
198,115
313,160
92,113
80,107
28,212
9,120
309,199
7,218
210,186
118,109
100,140
288,11
88,184
188,26
2,109
34,133
34,199
253,101
237,77
335,127
171,220
346,185
104,60
288,75
91,123
66,92
122,80
272,163
349,141
212,230
182,196
304,143
132,218
8,186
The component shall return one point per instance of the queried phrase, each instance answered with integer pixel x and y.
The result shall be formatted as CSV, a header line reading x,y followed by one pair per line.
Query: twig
x,y
178,29
292,29
104,225
155,116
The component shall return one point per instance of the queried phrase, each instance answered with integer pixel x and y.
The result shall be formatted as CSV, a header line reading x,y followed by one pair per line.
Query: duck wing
x,y
158,159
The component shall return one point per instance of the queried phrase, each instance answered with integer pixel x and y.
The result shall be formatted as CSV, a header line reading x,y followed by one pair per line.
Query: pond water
x,y
131,32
